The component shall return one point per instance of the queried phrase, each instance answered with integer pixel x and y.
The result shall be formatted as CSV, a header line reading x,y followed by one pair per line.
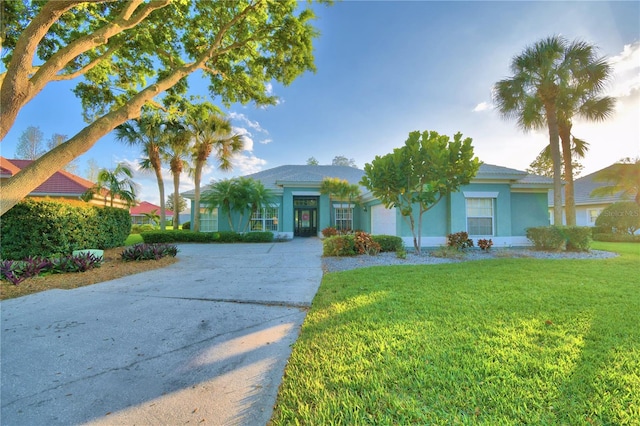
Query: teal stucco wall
x,y
528,210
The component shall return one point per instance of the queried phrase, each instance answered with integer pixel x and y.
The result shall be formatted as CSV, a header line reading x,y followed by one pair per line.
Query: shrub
x,y
258,237
546,238
389,242
179,236
186,226
145,227
230,237
577,238
459,240
330,232
622,217
556,238
16,271
339,245
485,245
617,238
148,252
401,254
364,244
48,228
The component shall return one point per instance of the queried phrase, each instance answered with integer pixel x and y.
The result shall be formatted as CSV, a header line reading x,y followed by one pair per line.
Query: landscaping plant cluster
x,y
358,242
459,240
559,238
16,271
186,236
145,251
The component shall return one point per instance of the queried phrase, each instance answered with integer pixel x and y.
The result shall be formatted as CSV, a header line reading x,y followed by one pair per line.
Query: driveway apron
x,y
203,341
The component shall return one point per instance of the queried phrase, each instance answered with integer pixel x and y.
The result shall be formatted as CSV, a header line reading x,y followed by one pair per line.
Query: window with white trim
x,y
480,216
593,215
265,219
208,220
344,218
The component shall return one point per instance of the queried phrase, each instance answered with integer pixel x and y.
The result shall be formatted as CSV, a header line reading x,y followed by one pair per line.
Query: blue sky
x,y
388,68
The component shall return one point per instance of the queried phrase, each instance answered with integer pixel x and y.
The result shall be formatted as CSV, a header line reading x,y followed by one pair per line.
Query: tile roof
x,y
582,191
61,183
146,207
293,174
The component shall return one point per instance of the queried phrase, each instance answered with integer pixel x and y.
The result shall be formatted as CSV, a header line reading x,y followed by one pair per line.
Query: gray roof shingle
x,y
582,191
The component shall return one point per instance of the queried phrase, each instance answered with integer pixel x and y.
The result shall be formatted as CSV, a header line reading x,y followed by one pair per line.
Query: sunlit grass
x,y
504,341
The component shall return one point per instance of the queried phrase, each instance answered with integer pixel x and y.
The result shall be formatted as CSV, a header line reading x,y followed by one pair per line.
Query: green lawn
x,y
504,341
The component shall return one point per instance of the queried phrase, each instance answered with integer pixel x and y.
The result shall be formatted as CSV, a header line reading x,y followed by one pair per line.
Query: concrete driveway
x,y
203,341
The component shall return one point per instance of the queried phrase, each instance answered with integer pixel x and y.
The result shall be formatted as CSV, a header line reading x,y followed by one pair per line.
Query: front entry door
x,y
305,222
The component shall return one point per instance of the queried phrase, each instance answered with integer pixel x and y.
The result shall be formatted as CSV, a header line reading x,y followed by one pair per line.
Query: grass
x,y
499,342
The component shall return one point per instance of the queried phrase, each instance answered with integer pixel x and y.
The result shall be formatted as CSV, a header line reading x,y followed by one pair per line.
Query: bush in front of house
x,y
186,226
258,237
364,244
558,238
329,231
389,242
49,228
617,238
459,240
179,236
230,237
622,217
145,251
339,245
145,227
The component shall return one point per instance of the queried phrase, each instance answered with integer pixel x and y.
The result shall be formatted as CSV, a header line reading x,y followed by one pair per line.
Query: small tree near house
x,y
415,177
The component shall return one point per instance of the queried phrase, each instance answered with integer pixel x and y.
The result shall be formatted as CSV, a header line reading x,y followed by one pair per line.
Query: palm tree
x,y
553,81
147,132
220,195
210,132
152,216
340,189
176,152
622,177
117,183
258,198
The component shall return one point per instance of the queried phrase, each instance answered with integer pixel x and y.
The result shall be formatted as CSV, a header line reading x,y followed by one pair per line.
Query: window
x,y
265,219
208,220
480,216
344,218
593,215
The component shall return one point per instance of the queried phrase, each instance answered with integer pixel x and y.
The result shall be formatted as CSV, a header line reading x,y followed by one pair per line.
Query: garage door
x,y
383,220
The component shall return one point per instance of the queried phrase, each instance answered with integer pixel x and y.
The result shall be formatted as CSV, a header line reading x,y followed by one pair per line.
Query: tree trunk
x,y
564,129
157,168
176,200
554,142
197,174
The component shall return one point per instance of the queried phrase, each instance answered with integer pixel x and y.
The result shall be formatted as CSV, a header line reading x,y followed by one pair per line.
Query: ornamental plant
x,y
365,244
459,241
144,251
485,245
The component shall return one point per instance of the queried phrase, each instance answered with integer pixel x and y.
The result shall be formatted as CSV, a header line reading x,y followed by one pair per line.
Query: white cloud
x,y
626,71
269,88
244,119
482,106
246,164
246,137
266,141
148,185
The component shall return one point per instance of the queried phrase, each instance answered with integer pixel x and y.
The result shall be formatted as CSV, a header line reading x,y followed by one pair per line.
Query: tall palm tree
x,y
551,83
259,197
210,132
117,183
176,152
147,132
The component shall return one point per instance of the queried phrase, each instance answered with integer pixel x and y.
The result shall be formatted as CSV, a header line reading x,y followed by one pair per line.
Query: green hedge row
x,y
182,236
388,242
617,238
557,238
49,228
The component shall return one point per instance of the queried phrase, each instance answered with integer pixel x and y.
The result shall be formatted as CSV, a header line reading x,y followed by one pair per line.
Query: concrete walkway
x,y
203,341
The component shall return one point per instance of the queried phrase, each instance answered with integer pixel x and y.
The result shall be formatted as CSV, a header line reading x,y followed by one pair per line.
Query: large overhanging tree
x,y
126,54
420,174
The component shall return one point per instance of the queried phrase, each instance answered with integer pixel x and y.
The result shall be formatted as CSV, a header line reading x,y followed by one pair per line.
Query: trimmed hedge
x,y
617,238
145,227
182,236
49,228
558,238
388,242
179,236
258,237
186,226
622,217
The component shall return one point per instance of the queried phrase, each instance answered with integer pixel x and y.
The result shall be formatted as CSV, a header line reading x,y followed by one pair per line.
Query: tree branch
x,y
89,66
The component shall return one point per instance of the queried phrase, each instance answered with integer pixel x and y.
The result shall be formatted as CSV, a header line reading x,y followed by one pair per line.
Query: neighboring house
x,y
500,203
588,208
62,186
138,213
